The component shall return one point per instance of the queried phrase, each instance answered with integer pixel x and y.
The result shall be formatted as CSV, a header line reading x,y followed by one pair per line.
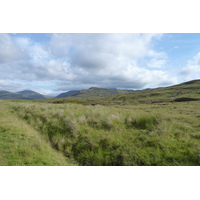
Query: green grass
x,y
144,134
150,127
21,145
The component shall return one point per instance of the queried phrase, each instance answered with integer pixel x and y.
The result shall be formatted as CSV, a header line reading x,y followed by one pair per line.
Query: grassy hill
x,y
188,91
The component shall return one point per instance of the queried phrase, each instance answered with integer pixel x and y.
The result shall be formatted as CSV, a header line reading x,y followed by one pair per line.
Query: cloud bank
x,y
76,61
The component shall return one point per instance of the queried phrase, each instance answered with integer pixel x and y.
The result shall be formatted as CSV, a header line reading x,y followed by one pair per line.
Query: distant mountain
x,y
31,94
98,92
24,95
67,94
10,95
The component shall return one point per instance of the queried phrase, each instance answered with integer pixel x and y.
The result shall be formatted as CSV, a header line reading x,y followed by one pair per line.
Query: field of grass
x,y
20,144
142,134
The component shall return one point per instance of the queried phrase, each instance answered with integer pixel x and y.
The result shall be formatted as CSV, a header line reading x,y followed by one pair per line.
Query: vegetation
x,y
20,144
189,91
118,135
149,127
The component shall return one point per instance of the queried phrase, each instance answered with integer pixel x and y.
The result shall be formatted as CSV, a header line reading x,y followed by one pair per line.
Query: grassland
x,y
20,144
144,134
158,127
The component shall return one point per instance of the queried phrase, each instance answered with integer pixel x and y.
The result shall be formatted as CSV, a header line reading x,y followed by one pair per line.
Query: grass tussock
x,y
117,135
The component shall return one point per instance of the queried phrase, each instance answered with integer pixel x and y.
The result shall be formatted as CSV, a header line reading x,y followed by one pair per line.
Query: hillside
x,y
31,94
10,95
188,91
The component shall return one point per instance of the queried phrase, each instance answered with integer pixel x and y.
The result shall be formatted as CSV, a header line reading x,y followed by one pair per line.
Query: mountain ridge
x,y
186,91
21,95
10,95
99,92
31,94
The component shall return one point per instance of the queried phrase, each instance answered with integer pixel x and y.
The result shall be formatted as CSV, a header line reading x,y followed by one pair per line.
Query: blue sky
x,y
55,63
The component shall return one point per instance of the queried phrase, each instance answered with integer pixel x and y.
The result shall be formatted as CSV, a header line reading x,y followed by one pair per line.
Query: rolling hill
x,y
188,91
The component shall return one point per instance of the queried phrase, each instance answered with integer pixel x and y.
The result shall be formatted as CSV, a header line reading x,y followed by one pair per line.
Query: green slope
x,y
188,91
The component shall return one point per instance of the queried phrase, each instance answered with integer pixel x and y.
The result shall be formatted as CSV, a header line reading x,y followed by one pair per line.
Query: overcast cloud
x,y
79,61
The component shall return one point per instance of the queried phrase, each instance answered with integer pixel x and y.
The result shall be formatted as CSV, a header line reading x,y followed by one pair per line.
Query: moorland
x,y
153,127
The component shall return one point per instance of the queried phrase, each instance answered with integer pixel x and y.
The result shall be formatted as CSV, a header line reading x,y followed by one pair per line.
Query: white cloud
x,y
123,45
9,51
78,61
155,63
45,91
110,58
192,69
9,85
59,69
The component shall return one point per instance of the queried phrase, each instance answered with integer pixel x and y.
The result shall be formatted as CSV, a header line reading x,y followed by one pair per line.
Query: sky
x,y
58,62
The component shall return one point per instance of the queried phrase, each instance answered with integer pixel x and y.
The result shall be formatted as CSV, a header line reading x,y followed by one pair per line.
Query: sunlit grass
x,y
20,144
148,134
